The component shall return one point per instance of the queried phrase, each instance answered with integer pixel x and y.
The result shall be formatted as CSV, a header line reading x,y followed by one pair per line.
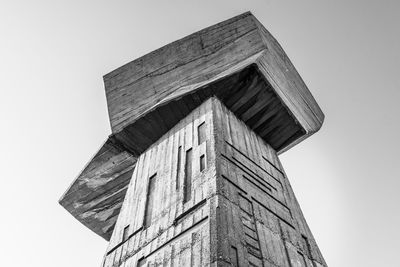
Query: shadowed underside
x,y
245,92
237,61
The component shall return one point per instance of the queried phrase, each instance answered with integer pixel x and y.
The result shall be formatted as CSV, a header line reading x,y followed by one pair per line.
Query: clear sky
x,y
53,55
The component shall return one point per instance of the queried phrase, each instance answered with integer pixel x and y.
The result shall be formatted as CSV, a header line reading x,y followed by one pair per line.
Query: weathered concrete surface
x,y
96,195
241,210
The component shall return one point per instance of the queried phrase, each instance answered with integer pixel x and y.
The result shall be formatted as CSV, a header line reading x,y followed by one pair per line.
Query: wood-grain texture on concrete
x,y
179,227
196,61
260,214
95,197
242,210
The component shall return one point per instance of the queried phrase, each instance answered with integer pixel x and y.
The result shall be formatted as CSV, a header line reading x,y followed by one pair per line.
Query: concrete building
x,y
190,175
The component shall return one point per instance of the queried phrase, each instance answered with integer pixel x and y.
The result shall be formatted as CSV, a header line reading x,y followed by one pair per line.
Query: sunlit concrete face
x,y
211,191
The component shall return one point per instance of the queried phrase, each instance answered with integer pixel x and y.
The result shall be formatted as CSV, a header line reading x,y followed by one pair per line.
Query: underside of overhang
x,y
245,92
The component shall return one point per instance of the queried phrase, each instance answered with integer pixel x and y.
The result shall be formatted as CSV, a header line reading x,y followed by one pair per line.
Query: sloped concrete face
x,y
211,192
95,197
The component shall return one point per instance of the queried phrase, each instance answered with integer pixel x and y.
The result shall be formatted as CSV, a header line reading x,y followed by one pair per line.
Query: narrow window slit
x,y
178,167
150,201
201,132
188,177
202,163
125,234
234,256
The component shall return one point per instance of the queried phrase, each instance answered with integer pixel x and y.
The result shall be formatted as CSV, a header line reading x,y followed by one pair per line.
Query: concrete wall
x,y
240,211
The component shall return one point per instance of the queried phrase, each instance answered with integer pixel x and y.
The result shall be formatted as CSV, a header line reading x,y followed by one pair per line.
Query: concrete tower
x,y
190,175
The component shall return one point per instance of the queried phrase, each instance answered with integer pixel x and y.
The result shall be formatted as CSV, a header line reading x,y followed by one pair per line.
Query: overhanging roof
x,y
192,64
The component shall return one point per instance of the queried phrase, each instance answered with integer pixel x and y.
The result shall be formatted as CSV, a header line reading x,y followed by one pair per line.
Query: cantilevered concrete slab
x,y
237,60
96,195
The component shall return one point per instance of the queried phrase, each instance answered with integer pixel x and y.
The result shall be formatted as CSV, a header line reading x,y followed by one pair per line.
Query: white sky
x,y
53,55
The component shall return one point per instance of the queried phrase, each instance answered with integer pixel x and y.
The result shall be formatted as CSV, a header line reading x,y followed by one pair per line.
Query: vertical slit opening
x,y
201,132
148,213
125,234
178,167
202,163
188,176
234,256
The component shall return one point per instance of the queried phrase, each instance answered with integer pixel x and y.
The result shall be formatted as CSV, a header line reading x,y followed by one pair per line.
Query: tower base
x,y
211,192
